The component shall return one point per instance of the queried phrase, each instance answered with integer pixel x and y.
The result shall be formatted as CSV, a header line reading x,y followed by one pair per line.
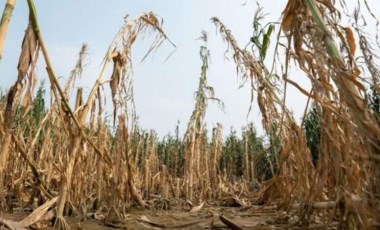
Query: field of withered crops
x,y
63,166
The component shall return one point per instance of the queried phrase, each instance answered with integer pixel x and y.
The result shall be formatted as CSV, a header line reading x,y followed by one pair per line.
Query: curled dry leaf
x,y
350,40
197,208
29,46
98,216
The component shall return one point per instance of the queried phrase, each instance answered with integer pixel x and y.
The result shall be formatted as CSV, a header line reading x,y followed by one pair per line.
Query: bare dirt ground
x,y
174,219
209,216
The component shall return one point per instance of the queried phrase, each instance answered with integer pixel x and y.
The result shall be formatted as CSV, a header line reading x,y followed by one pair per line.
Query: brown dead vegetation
x,y
68,162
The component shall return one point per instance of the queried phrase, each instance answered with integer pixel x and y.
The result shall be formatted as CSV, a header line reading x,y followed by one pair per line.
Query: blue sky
x,y
164,91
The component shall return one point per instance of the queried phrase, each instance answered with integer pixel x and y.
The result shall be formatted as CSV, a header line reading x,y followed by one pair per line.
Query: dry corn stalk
x,y
26,60
124,40
349,132
292,149
5,19
193,135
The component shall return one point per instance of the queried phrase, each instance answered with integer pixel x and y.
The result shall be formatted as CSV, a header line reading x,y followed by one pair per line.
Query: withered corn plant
x,y
325,49
345,176
255,160
215,170
295,171
23,87
122,95
193,136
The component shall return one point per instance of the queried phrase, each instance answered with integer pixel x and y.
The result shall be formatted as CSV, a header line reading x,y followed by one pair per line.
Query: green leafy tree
x,y
232,155
39,109
170,153
374,102
313,133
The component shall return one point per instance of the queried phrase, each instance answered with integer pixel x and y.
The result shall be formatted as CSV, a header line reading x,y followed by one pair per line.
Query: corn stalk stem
x,y
35,169
51,74
5,19
54,82
318,19
332,49
7,139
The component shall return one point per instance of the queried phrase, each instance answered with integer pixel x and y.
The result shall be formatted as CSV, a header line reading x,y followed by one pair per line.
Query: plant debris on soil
x,y
211,216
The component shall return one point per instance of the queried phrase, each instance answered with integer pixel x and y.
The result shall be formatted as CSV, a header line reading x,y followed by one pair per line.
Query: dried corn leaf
x,y
34,217
229,223
28,48
146,220
197,208
350,40
289,15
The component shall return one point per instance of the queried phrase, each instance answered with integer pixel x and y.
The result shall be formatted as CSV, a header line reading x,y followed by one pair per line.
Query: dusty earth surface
x,y
206,216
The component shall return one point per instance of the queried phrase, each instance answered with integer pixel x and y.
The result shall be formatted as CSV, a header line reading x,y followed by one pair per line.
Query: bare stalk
x,y
5,19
